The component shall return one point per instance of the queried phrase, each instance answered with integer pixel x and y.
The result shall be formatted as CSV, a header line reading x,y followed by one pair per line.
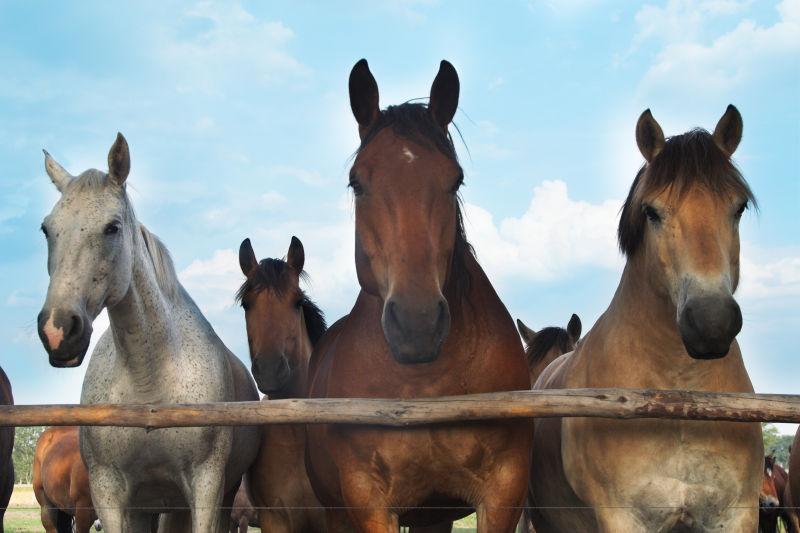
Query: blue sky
x,y
239,126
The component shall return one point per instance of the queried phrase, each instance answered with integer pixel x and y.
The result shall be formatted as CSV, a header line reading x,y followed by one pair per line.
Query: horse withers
x,y
61,482
671,324
158,349
283,325
426,323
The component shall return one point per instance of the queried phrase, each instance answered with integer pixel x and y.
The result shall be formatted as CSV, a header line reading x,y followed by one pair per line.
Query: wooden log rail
x,y
606,403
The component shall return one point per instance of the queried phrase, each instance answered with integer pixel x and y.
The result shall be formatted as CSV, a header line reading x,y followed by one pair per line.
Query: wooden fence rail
x,y
606,403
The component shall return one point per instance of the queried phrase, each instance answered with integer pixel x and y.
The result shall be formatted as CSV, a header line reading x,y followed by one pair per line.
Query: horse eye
x,y
245,306
740,211
111,229
651,214
44,230
358,189
298,304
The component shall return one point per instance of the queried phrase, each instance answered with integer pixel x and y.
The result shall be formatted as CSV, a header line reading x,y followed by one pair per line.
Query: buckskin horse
x,y
61,482
159,348
426,323
6,448
283,325
671,324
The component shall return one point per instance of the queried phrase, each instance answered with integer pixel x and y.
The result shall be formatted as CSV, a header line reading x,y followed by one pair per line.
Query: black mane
x,y
544,341
272,274
692,158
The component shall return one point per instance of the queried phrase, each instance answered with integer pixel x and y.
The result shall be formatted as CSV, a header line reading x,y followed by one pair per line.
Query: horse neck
x,y
643,321
299,386
142,322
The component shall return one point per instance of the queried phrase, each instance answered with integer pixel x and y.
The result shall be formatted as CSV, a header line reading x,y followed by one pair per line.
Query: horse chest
x,y
671,472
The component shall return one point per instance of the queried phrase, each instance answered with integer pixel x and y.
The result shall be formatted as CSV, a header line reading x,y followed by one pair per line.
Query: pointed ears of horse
x,y
525,332
296,256
728,132
444,94
247,258
119,161
56,172
649,136
363,96
574,328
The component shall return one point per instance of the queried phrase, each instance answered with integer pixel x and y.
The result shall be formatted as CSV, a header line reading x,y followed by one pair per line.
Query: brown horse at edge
x,y
61,482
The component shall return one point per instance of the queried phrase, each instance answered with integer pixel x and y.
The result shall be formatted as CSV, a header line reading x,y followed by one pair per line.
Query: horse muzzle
x,y
415,333
65,334
708,325
271,372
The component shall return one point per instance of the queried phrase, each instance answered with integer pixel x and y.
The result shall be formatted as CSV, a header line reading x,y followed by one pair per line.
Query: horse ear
x,y
247,258
728,132
444,94
363,96
296,256
574,328
649,136
119,160
58,175
525,332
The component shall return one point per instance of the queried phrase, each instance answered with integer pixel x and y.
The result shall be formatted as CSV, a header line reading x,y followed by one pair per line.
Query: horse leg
x,y
614,519
444,527
336,521
274,520
109,494
206,499
49,517
84,518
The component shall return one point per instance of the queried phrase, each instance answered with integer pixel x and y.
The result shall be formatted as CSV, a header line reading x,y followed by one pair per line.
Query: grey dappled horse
x,y
158,349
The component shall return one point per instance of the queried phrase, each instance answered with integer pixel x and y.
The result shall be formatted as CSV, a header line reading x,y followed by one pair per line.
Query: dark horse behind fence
x,y
6,446
426,323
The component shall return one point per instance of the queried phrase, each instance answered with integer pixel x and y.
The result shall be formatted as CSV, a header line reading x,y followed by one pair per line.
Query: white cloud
x,y
553,237
766,275
18,298
304,175
234,44
686,62
273,198
212,282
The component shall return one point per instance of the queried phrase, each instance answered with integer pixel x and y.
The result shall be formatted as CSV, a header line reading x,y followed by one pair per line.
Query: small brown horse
x,y
6,447
283,325
544,346
61,482
671,325
769,498
426,323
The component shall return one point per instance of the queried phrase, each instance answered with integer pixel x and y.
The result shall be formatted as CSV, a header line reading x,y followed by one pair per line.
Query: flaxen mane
x,y
686,160
272,274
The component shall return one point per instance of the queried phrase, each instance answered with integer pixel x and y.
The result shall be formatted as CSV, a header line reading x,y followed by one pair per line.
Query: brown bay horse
x,y
426,323
283,325
544,346
671,324
61,482
6,448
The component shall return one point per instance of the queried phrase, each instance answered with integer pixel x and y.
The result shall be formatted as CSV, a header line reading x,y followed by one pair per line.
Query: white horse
x,y
158,349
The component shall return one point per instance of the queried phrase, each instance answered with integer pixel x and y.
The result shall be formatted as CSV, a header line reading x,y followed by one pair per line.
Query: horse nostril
x,y
75,327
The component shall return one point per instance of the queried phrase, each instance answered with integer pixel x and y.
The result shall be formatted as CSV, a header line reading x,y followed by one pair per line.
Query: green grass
x,y
22,515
